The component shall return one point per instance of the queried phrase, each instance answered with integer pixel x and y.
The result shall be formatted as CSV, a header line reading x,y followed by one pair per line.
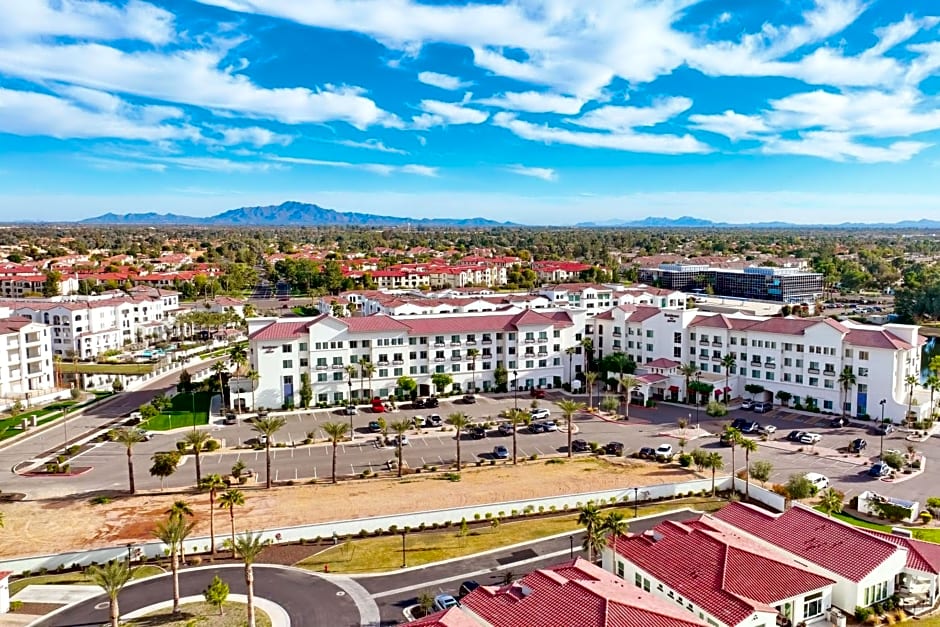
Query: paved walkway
x,y
61,594
275,612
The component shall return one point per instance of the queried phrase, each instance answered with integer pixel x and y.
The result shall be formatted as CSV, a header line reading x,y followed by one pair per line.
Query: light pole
x,y
515,390
404,562
571,542
636,502
698,379
192,397
65,425
881,429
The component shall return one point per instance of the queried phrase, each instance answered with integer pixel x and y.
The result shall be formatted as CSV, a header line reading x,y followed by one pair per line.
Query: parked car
x,y
747,404
537,427
883,429
537,393
750,427
374,426
350,410
839,421
857,445
794,436
738,423
469,399
664,452
549,425
762,408
614,448
393,440
378,408
431,402
500,452
880,470
810,438
820,482
539,413
476,432
647,452
230,419
418,403
767,429
434,420
444,602
580,446
504,428
417,421
726,439
467,587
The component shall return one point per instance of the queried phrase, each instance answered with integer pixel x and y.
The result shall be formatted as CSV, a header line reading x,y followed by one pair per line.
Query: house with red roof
x,y
720,574
571,594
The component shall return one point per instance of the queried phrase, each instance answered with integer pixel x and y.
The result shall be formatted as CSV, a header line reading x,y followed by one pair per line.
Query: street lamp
x,y
881,428
698,379
404,562
515,390
571,542
636,502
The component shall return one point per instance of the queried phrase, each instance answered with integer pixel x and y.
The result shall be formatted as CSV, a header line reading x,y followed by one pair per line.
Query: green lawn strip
x,y
384,553
42,414
77,577
181,414
204,615
927,535
125,369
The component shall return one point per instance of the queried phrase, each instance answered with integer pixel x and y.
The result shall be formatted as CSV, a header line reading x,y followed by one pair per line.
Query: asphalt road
x,y
436,447
310,601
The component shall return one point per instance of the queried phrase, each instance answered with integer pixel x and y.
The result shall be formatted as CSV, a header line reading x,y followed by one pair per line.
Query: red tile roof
x,y
921,556
875,338
575,593
643,312
715,572
284,330
453,617
374,324
836,546
662,362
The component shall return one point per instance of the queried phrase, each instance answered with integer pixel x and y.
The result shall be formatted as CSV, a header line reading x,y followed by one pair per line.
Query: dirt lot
x,y
59,525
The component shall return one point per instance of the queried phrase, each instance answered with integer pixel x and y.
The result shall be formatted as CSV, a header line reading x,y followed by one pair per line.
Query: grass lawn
x,y
927,534
77,577
384,553
105,368
42,415
181,413
204,615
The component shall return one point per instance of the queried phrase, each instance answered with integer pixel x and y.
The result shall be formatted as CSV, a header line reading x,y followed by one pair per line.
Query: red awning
x,y
673,388
717,392
727,389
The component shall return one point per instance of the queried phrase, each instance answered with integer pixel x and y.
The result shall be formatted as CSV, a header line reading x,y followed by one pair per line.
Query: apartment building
x,y
25,359
788,285
530,345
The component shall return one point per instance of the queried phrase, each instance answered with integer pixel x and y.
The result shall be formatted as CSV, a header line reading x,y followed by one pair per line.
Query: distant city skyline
x,y
533,111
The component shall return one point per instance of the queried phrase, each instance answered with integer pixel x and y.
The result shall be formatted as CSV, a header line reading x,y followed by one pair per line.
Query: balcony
x,y
323,367
383,363
338,366
485,342
439,360
398,362
439,344
470,343
829,373
813,370
716,343
543,340
530,341
771,365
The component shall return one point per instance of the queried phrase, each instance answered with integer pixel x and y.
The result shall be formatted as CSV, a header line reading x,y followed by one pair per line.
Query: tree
x,y
306,391
219,369
830,501
784,397
129,437
933,384
459,421
516,418
587,344
148,412
568,410
248,547
570,352
761,470
911,381
408,386
628,384
734,437
688,371
501,377
266,427
615,524
589,378
590,518
846,383
714,462
173,532
336,431
441,380
185,384
111,577
400,428
117,386
729,364
196,441
253,377
230,499
472,355
351,372
212,484
216,593
164,464
749,446
798,487
238,357
366,371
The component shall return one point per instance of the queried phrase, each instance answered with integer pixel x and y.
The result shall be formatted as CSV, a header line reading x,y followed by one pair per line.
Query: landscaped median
x,y
185,410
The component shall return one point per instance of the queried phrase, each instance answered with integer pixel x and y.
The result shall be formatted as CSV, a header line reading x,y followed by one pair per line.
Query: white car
x,y
821,482
664,451
549,425
768,429
810,438
540,413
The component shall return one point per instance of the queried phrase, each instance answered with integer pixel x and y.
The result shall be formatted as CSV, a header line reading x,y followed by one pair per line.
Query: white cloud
x,y
195,77
376,168
371,144
437,113
625,141
444,81
22,19
623,119
535,102
732,125
252,135
837,146
891,35
546,174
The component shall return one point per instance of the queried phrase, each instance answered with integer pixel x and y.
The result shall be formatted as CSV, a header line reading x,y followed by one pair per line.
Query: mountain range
x,y
286,214
304,214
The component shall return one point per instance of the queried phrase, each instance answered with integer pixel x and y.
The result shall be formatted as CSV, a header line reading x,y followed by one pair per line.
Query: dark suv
x,y
580,446
614,448
476,432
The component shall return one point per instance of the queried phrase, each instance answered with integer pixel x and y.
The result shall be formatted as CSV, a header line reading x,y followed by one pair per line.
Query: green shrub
x,y
101,500
685,460
15,606
211,445
716,409
925,517
863,613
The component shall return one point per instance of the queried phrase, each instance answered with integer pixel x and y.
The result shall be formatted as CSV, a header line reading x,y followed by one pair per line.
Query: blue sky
x,y
536,111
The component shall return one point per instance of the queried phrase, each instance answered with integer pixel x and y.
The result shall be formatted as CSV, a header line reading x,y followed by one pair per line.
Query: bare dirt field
x,y
67,524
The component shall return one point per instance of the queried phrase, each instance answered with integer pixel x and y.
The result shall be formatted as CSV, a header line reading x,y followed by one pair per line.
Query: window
x,y
769,376
304,362
677,338
863,372
637,580
286,348
813,605
303,346
287,363
321,377
620,569
814,381
863,355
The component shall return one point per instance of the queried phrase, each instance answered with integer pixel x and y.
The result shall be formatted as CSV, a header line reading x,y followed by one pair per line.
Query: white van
x,y
821,482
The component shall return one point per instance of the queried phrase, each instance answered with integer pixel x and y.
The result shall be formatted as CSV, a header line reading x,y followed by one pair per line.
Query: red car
x,y
378,408
537,393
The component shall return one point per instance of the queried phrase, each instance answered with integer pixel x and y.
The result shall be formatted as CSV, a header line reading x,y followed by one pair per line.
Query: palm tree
x,y
248,547
588,345
589,516
734,438
219,368
112,577
267,427
362,373
230,499
197,441
238,357
570,352
615,524
911,381
748,446
368,369
351,372
516,418
589,378
688,371
933,384
459,421
472,355
846,383
180,510
212,484
728,363
129,437
830,501
568,410
336,432
253,377
173,533
714,462
629,384
400,428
